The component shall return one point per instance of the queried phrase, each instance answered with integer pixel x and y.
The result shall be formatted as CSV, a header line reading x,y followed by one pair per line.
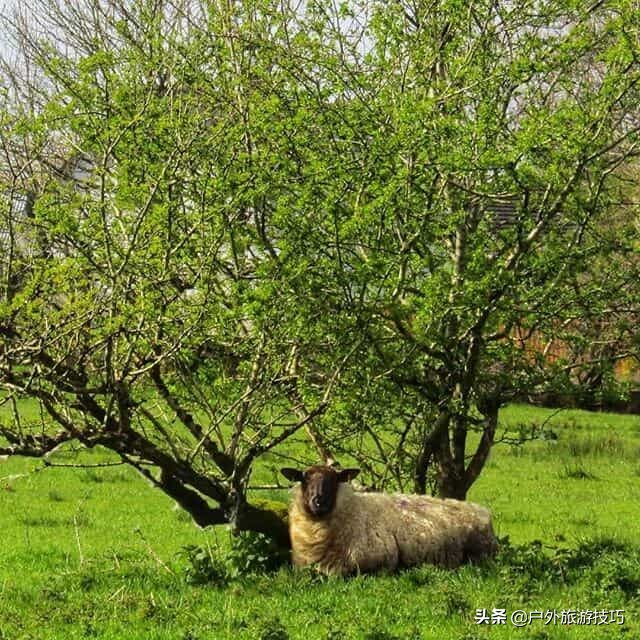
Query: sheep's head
x,y
319,486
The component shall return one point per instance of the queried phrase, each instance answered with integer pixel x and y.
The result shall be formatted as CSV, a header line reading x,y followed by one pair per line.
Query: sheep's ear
x,y
347,475
291,474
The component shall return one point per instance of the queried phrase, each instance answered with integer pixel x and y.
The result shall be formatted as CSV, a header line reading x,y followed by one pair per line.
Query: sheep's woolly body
x,y
371,531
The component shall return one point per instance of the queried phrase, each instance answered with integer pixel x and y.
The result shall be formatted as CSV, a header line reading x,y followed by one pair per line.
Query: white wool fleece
x,y
372,531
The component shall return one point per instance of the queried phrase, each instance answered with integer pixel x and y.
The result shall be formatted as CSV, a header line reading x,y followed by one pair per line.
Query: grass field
x,y
98,553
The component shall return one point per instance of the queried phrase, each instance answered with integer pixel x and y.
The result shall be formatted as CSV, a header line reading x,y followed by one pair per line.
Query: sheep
x,y
341,531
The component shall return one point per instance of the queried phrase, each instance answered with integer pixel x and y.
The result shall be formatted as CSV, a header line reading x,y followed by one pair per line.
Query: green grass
x,y
98,553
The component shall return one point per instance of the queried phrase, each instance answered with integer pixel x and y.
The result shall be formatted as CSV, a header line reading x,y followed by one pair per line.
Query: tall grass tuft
x,y
609,444
576,471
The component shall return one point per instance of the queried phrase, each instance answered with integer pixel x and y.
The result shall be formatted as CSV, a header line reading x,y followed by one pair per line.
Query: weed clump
x,y
203,566
271,629
253,552
600,564
250,553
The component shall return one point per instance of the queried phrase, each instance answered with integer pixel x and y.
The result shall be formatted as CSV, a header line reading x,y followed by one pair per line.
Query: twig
x,y
115,593
14,476
77,530
156,557
267,487
93,465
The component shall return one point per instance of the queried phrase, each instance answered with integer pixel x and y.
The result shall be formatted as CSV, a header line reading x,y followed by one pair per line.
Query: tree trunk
x,y
489,409
455,481
264,516
450,486
429,446
268,517
451,482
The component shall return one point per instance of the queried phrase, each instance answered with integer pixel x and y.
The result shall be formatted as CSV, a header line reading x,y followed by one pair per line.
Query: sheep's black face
x,y
320,487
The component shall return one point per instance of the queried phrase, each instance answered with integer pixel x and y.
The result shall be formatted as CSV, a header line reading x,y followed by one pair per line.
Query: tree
x,y
453,116
143,302
248,219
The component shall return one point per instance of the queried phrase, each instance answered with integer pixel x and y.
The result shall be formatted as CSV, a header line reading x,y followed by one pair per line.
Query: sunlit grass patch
x,y
99,553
